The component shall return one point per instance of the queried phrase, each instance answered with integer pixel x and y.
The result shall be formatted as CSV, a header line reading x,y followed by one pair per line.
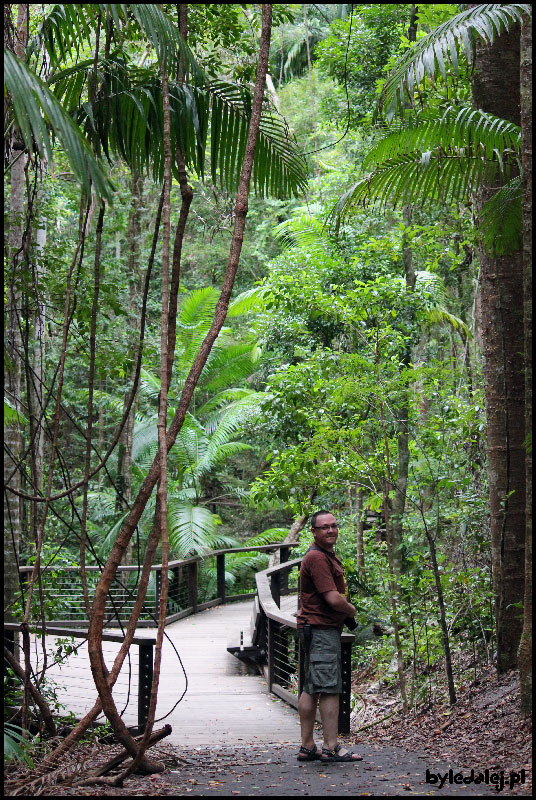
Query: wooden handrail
x,y
270,607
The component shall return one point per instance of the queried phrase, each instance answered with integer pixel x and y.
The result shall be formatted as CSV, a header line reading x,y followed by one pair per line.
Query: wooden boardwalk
x,y
223,704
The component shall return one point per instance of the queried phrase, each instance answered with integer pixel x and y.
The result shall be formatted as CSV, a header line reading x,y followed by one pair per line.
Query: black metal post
x,y
9,642
220,573
345,697
193,583
145,680
275,585
283,580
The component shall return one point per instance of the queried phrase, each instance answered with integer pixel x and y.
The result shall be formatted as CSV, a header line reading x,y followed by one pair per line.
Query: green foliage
x,y
17,747
438,53
33,106
376,31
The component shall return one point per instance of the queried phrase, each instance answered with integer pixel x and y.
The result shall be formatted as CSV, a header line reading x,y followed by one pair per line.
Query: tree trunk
x,y
496,90
241,207
124,452
360,529
12,363
525,647
398,502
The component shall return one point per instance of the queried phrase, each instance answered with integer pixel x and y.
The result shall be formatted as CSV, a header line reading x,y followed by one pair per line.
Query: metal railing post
x,y
145,680
9,642
220,573
301,665
345,696
193,584
275,585
283,580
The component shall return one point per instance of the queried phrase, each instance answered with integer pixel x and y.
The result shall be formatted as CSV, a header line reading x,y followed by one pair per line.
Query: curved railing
x,y
194,584
274,630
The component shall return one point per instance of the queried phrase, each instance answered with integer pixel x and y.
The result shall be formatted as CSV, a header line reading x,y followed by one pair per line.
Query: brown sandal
x,y
333,755
305,754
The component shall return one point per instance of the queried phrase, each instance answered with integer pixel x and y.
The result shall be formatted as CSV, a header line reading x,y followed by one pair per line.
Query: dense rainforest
x,y
259,261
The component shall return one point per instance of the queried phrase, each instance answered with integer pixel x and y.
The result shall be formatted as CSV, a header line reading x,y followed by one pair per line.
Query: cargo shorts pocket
x,y
323,670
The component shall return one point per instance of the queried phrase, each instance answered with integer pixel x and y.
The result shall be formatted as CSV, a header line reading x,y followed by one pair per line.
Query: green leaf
x,y
36,109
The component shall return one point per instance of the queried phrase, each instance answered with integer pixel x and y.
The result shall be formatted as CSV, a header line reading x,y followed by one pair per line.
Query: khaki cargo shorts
x,y
323,673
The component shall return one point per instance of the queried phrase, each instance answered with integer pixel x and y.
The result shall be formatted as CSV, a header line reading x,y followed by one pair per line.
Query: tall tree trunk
x,y
398,501
312,97
496,90
12,363
241,207
360,529
124,452
525,647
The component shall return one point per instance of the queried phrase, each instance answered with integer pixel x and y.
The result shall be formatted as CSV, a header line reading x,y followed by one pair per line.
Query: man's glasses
x,y
327,527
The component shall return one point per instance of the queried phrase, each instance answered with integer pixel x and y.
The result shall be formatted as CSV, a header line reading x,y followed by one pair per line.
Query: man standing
x,y
323,609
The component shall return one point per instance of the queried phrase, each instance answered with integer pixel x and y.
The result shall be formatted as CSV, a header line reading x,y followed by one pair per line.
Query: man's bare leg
x,y
307,710
329,714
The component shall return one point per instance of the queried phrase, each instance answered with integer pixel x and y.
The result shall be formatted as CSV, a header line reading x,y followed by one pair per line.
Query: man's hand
x,y
338,603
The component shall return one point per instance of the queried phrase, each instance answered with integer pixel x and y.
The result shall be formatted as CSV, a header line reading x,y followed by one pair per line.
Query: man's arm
x,y
338,603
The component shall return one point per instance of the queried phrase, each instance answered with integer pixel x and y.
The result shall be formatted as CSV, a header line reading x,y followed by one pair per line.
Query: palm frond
x,y
438,52
126,119
456,130
277,169
416,177
67,27
64,30
250,300
36,109
191,529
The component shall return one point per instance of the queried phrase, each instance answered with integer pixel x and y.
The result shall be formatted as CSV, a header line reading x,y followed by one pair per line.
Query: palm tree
x,y
123,112
453,154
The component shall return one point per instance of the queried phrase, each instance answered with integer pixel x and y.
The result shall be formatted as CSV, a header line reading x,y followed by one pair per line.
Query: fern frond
x,y
229,365
304,231
246,302
191,529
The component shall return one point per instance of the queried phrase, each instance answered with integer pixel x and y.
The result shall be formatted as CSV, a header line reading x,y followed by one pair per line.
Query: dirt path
x,y
273,770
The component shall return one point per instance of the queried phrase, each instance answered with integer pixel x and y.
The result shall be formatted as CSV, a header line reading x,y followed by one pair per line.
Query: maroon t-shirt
x,y
320,572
